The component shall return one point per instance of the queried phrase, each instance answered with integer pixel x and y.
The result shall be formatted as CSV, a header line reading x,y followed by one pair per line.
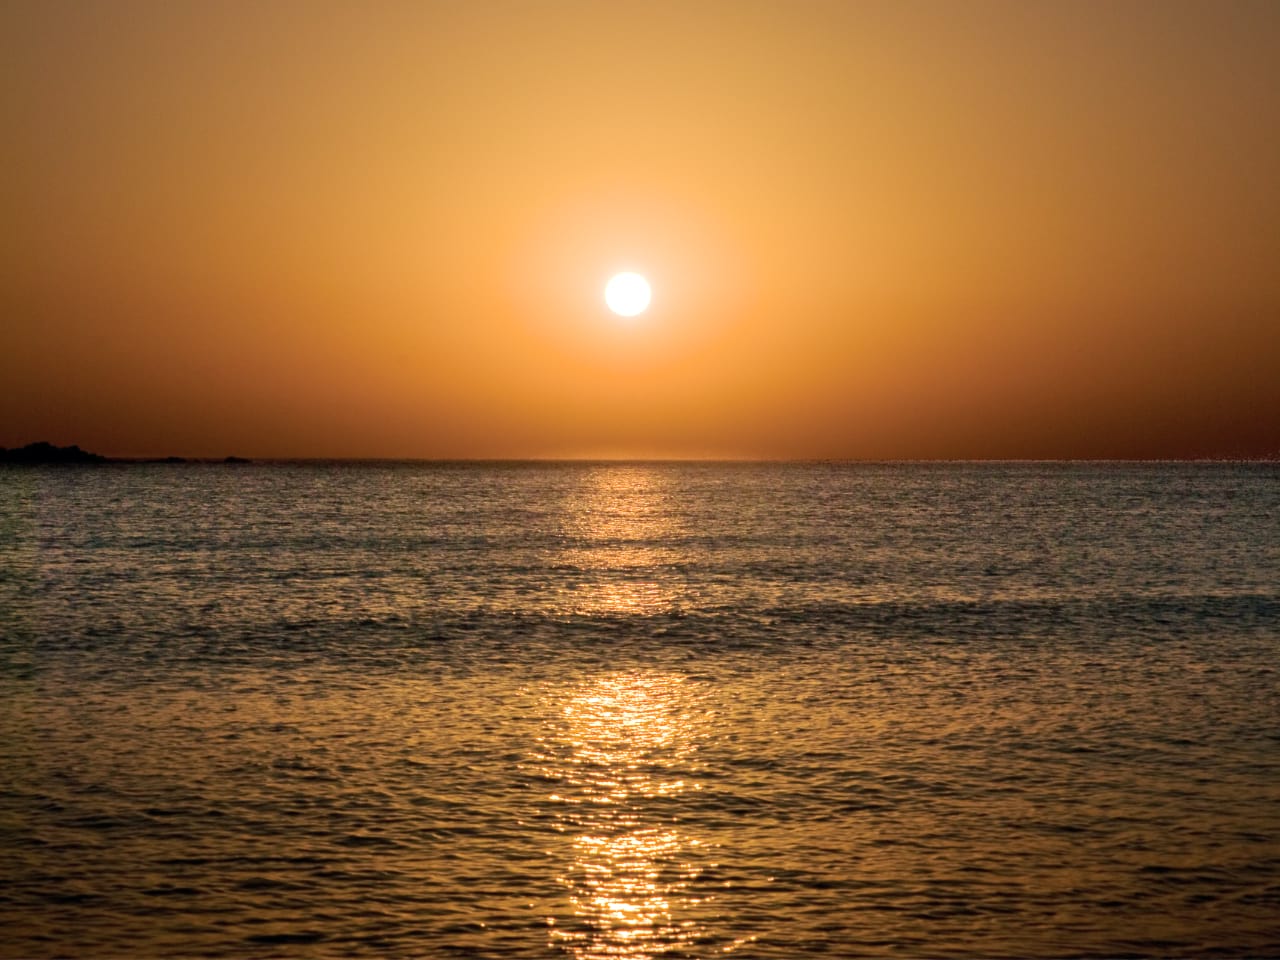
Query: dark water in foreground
x,y
640,710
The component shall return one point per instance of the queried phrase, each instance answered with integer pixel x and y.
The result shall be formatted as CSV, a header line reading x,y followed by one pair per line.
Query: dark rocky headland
x,y
43,452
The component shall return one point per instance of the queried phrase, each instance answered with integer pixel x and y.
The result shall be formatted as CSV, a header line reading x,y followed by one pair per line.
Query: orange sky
x,y
873,230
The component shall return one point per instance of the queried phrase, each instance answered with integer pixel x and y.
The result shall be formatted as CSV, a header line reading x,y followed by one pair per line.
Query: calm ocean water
x,y
640,710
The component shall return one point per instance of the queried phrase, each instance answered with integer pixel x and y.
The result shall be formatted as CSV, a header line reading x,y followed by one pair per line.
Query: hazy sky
x,y
953,229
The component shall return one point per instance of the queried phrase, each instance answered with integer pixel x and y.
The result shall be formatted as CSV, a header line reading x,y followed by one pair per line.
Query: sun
x,y
627,294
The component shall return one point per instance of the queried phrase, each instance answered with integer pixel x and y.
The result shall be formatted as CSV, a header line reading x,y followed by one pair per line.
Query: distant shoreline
x,y
43,453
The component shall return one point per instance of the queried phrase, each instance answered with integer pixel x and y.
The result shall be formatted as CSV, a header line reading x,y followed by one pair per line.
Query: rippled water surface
x,y
640,710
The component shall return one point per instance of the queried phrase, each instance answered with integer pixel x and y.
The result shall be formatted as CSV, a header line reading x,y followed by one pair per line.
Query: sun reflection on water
x,y
621,756
623,544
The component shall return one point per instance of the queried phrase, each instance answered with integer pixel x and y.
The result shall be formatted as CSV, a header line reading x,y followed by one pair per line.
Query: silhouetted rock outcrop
x,y
236,460
46,453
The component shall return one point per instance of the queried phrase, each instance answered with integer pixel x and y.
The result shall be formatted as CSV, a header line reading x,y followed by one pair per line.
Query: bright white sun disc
x,y
627,294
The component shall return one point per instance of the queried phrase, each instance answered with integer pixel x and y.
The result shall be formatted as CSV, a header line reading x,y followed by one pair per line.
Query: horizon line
x,y
172,460
178,460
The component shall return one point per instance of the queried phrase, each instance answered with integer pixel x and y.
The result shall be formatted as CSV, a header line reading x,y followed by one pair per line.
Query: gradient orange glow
x,y
879,229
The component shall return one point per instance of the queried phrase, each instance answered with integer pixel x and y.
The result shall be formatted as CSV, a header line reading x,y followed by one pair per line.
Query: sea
x,y
635,710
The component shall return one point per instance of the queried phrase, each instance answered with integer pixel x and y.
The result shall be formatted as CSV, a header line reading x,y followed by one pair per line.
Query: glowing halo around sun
x,y
627,294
